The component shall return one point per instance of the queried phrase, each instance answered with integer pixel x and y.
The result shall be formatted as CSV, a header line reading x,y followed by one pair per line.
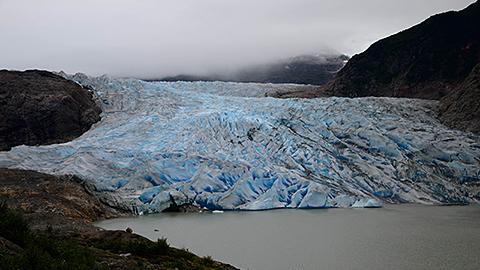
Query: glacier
x,y
230,146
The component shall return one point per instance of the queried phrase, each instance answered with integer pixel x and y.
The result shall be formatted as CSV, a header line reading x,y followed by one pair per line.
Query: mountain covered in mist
x,y
428,60
436,59
304,69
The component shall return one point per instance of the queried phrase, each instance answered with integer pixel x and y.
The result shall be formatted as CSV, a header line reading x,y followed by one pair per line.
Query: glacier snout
x,y
227,146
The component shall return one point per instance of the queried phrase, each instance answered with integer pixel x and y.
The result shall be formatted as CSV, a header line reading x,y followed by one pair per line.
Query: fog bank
x,y
147,38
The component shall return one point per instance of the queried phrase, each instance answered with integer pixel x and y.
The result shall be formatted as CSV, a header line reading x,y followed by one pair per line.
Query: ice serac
x,y
227,146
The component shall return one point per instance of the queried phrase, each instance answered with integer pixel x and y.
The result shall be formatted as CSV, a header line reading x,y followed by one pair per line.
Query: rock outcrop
x,y
49,199
427,61
39,107
461,108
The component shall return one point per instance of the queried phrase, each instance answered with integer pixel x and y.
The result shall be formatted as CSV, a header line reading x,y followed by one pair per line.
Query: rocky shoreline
x,y
65,205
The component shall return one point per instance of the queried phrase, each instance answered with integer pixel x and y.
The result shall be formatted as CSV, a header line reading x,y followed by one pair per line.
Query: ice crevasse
x,y
230,146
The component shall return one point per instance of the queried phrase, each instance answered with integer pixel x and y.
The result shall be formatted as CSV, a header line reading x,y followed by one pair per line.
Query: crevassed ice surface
x,y
227,146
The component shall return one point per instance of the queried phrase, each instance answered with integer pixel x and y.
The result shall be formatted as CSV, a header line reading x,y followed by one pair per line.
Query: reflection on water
x,y
394,237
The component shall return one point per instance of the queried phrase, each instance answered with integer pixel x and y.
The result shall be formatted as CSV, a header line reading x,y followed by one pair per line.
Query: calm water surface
x,y
394,237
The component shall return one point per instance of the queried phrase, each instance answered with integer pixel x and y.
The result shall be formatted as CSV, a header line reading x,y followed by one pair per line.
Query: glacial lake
x,y
393,237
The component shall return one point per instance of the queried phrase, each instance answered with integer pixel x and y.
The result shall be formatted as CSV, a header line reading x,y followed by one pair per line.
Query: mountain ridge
x,y
427,60
302,69
436,59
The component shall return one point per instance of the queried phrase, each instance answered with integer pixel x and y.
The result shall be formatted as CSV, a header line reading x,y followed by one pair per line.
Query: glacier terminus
x,y
229,146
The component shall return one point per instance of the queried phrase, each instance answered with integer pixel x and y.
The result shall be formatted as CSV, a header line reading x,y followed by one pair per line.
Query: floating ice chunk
x,y
367,203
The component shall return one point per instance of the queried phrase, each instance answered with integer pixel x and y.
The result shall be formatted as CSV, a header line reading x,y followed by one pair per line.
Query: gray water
x,y
394,237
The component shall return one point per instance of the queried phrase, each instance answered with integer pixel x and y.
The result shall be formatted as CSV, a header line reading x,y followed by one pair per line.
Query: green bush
x,y
162,246
40,250
208,261
139,246
13,226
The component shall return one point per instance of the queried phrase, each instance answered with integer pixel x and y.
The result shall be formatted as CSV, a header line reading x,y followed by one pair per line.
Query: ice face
x,y
227,146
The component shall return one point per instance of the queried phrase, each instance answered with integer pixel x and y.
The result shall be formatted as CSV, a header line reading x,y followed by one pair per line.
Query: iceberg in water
x,y
230,146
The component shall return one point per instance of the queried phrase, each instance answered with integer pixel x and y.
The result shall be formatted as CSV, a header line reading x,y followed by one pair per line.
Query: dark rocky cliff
x,y
39,107
428,60
461,108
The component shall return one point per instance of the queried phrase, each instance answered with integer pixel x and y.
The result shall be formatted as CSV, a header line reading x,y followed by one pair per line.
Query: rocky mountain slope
x,y
39,107
305,69
428,60
461,107
435,59
228,146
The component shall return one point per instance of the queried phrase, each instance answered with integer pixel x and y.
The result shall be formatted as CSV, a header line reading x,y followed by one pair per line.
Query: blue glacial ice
x,y
228,146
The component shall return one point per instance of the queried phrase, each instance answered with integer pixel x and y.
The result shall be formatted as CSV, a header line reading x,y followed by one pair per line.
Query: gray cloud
x,y
146,38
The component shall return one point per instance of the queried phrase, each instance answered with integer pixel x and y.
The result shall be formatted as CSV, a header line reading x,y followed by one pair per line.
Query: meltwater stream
x,y
393,237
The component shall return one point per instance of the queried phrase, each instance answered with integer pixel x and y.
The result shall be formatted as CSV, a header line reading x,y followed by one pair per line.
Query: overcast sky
x,y
152,38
